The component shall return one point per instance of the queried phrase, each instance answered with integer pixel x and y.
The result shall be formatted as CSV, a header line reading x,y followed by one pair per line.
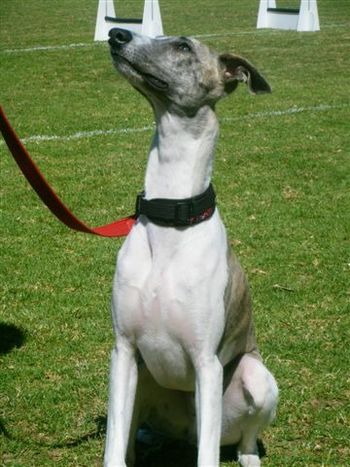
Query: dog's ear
x,y
236,69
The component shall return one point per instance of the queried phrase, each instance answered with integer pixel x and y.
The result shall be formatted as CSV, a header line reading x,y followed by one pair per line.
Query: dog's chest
x,y
169,301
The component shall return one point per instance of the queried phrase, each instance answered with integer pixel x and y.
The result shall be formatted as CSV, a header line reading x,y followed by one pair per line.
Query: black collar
x,y
177,212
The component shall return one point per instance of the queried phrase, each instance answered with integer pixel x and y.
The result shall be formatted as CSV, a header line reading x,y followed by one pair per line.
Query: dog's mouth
x,y
155,82
150,79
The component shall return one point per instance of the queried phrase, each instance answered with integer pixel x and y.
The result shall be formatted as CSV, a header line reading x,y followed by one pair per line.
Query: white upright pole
x,y
308,16
105,8
150,25
263,21
152,21
304,18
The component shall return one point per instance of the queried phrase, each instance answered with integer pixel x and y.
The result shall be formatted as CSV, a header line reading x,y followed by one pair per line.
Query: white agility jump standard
x,y
150,24
304,18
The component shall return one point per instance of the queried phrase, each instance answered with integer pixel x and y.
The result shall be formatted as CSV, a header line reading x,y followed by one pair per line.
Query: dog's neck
x,y
181,155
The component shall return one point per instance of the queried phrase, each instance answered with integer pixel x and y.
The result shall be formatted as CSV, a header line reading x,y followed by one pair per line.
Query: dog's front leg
x,y
123,382
209,375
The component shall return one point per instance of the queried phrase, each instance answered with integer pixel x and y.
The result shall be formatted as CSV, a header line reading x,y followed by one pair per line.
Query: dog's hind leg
x,y
249,405
123,383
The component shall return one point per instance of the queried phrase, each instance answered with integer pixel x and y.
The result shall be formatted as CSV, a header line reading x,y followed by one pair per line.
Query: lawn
x,y
282,176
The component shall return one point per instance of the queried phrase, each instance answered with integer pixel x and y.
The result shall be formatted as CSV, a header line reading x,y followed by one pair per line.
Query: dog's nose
x,y
119,36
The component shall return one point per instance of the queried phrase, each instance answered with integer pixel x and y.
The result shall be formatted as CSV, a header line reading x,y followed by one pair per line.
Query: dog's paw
x,y
249,460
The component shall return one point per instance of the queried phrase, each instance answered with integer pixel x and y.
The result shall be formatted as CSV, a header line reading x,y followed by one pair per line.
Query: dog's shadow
x,y
170,452
11,337
173,453
164,451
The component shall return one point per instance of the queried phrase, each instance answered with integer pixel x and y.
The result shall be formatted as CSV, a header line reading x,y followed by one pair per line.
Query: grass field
x,y
282,179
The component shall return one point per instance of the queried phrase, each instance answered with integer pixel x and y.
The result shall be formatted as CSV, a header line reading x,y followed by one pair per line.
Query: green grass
x,y
282,184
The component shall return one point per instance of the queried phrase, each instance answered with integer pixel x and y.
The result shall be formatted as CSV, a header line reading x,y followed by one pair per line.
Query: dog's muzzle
x,y
120,38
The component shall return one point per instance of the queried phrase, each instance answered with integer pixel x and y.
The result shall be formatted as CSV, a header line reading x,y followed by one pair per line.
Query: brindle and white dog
x,y
186,360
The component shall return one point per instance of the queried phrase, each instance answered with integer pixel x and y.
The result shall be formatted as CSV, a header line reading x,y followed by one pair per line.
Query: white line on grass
x,y
260,31
85,134
290,111
120,131
40,48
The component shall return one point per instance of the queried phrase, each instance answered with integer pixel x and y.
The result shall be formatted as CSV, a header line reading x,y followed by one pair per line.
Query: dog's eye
x,y
183,47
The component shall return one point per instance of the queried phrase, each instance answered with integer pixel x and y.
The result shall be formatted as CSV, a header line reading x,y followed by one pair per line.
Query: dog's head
x,y
180,72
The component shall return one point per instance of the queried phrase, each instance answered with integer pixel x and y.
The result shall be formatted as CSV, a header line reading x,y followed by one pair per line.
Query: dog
x,y
186,360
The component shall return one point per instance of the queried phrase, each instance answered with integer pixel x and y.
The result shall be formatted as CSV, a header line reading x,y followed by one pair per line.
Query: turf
x,y
282,178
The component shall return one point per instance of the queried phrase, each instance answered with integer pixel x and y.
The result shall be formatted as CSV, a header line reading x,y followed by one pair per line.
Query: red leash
x,y
118,228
